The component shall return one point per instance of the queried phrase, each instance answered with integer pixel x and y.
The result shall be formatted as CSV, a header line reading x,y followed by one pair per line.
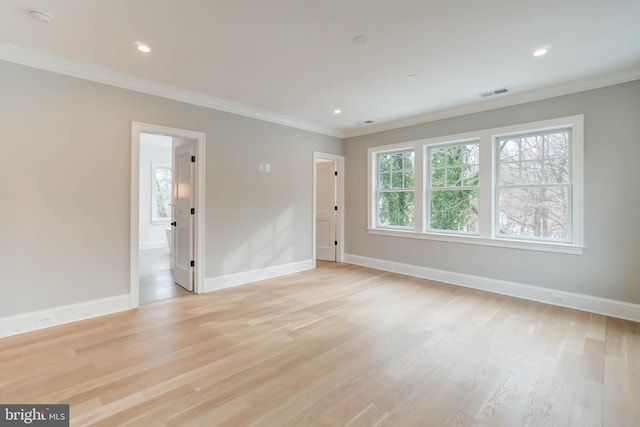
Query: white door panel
x,y
183,193
325,211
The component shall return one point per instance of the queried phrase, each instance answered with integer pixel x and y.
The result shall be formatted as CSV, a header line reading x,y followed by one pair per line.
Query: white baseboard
x,y
160,244
608,307
237,279
32,321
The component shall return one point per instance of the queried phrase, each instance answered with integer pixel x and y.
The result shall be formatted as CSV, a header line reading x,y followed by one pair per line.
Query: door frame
x,y
339,197
199,227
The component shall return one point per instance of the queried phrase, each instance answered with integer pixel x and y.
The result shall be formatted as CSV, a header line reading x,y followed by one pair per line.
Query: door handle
x,y
174,224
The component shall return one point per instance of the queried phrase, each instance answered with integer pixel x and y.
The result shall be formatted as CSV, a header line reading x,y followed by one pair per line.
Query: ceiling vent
x,y
494,92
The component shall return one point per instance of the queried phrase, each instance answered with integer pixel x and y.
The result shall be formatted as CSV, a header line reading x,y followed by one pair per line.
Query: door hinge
x,y
193,159
193,211
335,208
193,263
336,173
335,242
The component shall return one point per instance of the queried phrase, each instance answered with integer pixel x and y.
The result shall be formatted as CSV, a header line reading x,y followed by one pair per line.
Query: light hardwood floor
x,y
338,346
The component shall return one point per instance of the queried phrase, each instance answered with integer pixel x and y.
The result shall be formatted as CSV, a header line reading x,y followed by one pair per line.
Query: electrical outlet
x,y
267,167
46,319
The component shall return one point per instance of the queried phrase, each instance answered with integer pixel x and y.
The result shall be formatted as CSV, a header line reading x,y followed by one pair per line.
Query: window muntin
x,y
533,190
549,174
453,187
395,184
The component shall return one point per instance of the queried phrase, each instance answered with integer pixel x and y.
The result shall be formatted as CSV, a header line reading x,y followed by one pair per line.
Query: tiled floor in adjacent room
x,y
156,277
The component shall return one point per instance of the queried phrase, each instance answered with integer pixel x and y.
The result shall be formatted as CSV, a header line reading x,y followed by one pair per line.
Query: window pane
x,y
409,180
385,180
384,162
396,180
396,162
395,208
438,157
509,173
470,176
437,177
556,145
454,210
509,150
556,171
453,176
531,147
531,172
471,154
162,194
534,212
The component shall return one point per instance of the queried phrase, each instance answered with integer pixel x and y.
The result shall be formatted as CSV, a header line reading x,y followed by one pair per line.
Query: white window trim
x,y
154,218
389,190
428,188
486,196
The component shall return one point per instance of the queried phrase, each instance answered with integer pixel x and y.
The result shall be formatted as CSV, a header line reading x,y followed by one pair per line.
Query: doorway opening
x,y
328,207
167,213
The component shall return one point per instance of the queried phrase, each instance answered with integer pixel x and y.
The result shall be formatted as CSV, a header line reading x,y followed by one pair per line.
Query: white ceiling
x,y
296,61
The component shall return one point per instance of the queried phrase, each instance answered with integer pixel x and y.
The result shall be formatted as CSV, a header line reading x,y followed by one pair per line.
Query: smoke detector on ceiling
x,y
41,16
494,92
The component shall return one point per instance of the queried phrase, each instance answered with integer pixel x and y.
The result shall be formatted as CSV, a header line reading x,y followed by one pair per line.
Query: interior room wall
x,y
154,150
609,266
65,187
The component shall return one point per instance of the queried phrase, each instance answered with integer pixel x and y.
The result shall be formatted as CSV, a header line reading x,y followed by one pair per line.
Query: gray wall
x,y
610,265
65,187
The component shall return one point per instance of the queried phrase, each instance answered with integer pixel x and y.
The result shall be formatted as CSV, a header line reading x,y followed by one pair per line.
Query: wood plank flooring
x,y
338,346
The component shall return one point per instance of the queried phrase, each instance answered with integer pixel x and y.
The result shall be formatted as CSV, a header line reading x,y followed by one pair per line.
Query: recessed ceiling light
x,y
41,16
540,52
337,111
143,48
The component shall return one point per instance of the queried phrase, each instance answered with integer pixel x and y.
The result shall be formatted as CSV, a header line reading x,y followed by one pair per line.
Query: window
x,y
395,195
533,185
160,193
517,186
453,187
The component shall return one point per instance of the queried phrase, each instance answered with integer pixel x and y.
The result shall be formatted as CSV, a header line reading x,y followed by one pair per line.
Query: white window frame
x,y
428,188
154,218
487,189
498,186
390,190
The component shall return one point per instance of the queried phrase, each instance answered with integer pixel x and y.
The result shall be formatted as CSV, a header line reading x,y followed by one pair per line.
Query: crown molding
x,y
566,88
19,55
43,61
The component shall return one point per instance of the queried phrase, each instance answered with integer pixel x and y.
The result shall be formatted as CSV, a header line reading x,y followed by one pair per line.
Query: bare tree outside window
x,y
161,194
534,185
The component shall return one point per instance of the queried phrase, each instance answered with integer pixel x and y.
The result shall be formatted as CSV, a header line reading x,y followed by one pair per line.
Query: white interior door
x,y
326,211
183,214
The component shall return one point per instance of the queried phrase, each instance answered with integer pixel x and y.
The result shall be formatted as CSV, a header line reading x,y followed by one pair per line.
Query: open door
x,y
183,214
326,214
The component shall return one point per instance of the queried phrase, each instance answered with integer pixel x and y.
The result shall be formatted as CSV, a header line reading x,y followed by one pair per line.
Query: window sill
x,y
562,248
